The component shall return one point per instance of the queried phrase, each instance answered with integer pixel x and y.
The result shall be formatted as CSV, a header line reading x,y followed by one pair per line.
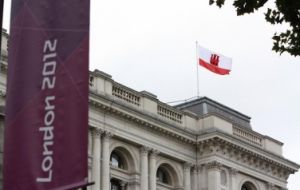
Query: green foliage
x,y
286,11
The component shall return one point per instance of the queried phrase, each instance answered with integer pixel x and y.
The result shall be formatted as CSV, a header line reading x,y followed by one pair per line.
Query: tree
x,y
286,11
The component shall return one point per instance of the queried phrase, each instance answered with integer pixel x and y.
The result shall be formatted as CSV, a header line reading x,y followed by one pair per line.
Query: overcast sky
x,y
150,45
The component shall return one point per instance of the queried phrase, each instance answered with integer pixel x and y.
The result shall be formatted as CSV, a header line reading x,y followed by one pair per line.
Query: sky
x,y
150,45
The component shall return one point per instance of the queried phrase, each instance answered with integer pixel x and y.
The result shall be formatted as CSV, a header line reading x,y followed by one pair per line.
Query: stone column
x,y
105,160
233,173
202,177
144,168
152,169
187,176
96,167
214,175
195,178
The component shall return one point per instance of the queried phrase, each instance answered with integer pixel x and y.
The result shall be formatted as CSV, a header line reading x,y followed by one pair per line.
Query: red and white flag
x,y
213,61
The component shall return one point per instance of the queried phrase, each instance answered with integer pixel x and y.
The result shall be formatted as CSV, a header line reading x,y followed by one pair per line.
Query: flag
x,y
46,113
213,61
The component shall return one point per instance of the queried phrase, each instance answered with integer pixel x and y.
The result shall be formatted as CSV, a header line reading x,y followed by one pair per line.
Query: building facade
x,y
137,142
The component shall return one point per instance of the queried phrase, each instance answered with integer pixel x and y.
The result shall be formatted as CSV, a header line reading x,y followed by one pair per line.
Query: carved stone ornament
x,y
187,166
214,165
144,150
107,135
154,153
194,169
97,132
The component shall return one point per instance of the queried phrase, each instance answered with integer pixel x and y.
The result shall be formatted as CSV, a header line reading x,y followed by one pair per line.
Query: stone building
x,y
137,142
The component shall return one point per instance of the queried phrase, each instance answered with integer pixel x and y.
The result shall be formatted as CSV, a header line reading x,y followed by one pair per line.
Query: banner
x,y
47,95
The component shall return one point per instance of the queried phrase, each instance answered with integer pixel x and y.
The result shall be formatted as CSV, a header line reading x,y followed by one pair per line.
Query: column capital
x,y
97,132
187,166
107,135
214,165
144,150
195,168
200,167
154,152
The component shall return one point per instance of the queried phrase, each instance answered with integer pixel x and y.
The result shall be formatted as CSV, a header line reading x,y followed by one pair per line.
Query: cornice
x,y
217,146
101,74
248,147
143,119
226,119
213,165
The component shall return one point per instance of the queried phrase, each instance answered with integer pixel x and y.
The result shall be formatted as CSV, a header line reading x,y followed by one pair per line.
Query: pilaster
x,y
214,175
233,175
96,166
152,172
105,160
144,167
194,177
187,176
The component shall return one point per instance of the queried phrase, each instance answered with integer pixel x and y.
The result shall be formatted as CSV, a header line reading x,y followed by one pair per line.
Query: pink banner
x,y
47,95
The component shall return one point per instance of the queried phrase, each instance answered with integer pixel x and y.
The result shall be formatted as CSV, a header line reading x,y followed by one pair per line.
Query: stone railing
x,y
169,113
125,94
249,136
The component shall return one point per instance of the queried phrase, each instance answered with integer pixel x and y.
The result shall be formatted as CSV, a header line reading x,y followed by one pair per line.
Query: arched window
x,y
162,176
116,160
248,186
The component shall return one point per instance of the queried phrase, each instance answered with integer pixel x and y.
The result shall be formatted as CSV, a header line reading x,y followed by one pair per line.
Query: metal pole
x,y
1,21
197,65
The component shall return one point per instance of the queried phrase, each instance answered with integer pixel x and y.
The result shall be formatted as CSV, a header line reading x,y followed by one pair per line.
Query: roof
x,y
203,106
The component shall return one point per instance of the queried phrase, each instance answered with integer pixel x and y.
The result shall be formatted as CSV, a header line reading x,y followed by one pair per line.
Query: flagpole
x,y
197,62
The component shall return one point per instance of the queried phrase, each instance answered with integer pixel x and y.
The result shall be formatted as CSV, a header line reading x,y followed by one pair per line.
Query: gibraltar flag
x,y
213,61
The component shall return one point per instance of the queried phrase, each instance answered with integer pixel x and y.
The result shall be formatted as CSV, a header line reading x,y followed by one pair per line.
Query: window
x,y
115,185
223,178
162,176
116,160
248,186
91,81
